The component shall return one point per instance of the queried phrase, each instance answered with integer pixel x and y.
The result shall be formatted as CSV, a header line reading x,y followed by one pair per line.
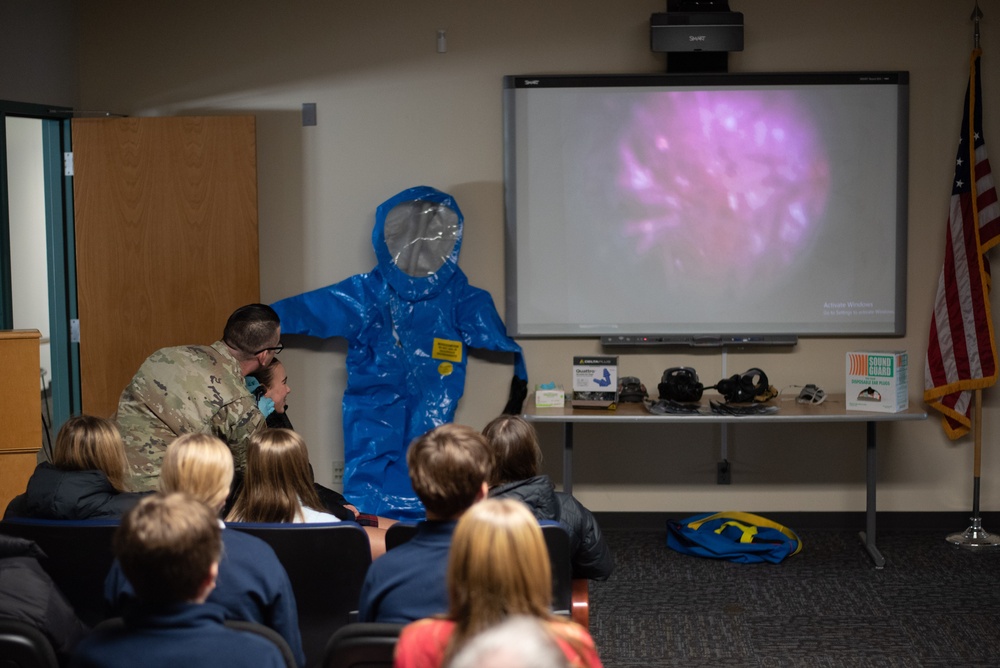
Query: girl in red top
x,y
498,567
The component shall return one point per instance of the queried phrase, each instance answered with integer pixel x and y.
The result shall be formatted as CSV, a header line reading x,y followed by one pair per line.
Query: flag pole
x,y
975,537
977,14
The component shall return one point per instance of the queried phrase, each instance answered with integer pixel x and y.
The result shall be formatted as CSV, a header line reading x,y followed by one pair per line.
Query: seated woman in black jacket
x,y
517,460
87,478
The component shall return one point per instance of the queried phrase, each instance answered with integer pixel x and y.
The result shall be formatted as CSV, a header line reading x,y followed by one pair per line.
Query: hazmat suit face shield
x,y
420,236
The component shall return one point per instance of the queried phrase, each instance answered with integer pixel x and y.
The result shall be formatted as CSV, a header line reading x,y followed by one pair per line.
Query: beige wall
x,y
394,113
38,51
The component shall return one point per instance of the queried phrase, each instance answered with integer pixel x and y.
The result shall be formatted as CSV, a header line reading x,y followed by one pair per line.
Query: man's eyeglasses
x,y
277,349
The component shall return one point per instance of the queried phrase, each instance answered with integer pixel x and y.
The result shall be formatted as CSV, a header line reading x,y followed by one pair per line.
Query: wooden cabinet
x,y
20,410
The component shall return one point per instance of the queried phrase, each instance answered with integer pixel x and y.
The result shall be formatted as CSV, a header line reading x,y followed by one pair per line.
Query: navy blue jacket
x,y
184,634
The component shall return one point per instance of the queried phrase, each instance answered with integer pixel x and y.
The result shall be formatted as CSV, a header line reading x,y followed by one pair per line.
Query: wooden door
x,y
166,239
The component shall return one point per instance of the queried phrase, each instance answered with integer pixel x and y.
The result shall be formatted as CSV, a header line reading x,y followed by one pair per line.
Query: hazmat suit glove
x,y
518,393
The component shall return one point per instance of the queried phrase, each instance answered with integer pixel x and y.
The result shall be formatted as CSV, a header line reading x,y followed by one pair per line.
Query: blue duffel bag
x,y
734,536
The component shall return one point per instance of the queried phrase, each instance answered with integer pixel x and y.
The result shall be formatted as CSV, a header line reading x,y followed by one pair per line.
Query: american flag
x,y
961,352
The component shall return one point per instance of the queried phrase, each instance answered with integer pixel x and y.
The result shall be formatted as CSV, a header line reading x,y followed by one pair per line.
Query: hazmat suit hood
x,y
417,238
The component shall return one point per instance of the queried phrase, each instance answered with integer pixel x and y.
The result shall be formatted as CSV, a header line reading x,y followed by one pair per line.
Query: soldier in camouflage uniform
x,y
200,389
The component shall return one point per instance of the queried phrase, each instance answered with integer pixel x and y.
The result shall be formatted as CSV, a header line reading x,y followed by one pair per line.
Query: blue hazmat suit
x,y
409,323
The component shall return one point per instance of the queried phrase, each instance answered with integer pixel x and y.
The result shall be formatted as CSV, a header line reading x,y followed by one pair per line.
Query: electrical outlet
x,y
724,473
338,473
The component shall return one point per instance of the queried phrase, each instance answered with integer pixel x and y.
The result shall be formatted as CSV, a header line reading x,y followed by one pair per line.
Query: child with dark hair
x,y
515,473
448,467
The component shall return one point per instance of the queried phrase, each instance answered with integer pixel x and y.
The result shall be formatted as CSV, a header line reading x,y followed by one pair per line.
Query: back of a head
x,y
518,642
199,465
251,328
277,479
498,566
514,449
448,466
167,545
88,443
265,374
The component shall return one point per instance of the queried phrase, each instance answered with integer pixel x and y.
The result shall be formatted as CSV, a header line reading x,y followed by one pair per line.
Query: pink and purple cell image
x,y
733,184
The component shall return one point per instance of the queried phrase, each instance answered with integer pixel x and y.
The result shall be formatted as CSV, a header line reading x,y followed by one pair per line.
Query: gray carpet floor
x,y
932,605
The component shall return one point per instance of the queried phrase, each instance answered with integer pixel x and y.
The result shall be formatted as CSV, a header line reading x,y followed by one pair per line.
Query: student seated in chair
x,y
87,478
448,467
516,464
279,488
498,568
252,584
169,548
269,386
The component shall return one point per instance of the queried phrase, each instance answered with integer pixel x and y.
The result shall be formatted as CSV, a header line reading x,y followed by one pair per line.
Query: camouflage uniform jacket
x,y
183,390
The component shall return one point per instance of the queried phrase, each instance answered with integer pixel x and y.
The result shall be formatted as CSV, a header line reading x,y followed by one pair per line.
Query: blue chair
x,y
78,555
326,564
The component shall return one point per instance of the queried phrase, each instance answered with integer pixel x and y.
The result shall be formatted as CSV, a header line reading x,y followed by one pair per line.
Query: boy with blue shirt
x,y
169,547
448,466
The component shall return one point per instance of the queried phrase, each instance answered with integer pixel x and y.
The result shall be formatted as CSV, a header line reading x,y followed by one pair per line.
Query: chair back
x,y
78,555
399,533
362,645
557,541
326,564
560,559
24,646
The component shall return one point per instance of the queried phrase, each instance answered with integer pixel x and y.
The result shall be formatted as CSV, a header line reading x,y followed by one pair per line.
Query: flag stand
x,y
976,538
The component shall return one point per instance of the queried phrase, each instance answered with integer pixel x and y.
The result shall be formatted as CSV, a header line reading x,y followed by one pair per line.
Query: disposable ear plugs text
x,y
877,381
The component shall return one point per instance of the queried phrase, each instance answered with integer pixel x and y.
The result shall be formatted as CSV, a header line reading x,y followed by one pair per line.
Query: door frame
x,y
60,250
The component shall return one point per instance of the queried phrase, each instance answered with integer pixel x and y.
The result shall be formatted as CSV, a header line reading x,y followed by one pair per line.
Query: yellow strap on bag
x,y
741,519
748,530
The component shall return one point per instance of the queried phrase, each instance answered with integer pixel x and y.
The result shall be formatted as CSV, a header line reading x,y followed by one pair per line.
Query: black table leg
x,y
868,535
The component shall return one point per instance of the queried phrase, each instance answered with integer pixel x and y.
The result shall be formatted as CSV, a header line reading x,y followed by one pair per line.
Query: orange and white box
x,y
877,381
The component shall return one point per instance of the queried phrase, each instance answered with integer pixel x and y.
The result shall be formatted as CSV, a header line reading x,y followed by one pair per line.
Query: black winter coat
x,y
54,494
28,594
591,556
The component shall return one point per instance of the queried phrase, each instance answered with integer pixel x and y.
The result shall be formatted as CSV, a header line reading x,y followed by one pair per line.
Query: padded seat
x,y
78,556
362,645
326,564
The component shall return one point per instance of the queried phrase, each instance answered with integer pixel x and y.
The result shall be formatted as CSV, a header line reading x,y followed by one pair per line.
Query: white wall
x,y
394,113
26,208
